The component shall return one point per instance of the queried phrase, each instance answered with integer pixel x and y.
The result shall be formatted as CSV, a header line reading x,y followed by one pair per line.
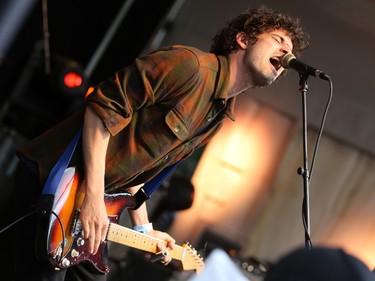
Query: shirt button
x,y
176,129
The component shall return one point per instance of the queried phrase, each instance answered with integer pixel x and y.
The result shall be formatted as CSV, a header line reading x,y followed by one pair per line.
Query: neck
x,y
239,82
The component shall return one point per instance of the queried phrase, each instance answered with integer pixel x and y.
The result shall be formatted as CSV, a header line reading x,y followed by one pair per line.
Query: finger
x,y
86,230
162,248
96,245
157,257
105,230
171,243
87,233
91,240
100,237
169,240
167,259
166,254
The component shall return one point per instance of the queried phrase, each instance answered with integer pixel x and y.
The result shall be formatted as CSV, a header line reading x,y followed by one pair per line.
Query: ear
x,y
242,40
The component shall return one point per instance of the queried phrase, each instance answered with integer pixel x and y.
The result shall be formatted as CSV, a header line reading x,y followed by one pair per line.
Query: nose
x,y
285,49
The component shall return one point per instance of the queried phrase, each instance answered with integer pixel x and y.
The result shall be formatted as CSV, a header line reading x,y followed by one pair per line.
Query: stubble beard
x,y
261,79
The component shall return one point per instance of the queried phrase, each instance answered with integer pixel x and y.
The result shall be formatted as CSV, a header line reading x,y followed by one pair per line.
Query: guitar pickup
x,y
77,226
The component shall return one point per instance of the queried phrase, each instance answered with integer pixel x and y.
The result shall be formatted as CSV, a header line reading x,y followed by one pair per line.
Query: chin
x,y
264,81
264,78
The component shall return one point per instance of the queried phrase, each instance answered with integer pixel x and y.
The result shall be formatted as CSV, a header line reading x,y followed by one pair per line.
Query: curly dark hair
x,y
257,21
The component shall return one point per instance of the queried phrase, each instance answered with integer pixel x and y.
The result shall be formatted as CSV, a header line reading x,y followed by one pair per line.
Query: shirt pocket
x,y
177,125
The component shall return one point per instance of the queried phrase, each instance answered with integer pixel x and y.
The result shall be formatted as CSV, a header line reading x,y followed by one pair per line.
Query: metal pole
x,y
12,16
162,31
107,38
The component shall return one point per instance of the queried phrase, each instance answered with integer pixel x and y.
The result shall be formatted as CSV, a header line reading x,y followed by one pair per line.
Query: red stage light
x,y
72,80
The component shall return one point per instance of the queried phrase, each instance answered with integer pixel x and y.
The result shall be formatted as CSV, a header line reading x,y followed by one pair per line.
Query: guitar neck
x,y
144,242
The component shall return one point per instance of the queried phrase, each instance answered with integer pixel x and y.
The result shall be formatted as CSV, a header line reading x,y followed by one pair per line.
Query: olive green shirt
x,y
157,111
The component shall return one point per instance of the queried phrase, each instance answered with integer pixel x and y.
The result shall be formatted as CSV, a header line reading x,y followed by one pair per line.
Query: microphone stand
x,y
304,172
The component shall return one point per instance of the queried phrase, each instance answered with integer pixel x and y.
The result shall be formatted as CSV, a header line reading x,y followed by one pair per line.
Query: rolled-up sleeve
x,y
111,98
148,80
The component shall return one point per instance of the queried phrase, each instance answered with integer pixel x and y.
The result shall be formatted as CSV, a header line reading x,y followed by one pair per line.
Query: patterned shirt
x,y
158,110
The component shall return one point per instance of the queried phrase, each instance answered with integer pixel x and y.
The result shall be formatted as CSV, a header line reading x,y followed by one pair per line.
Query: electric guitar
x,y
63,244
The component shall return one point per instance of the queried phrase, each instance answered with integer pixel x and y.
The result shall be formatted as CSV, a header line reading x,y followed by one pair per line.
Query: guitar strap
x,y
45,205
144,193
61,165
46,202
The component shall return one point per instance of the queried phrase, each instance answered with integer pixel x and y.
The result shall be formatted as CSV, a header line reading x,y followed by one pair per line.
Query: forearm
x,y
139,218
93,213
95,141
140,215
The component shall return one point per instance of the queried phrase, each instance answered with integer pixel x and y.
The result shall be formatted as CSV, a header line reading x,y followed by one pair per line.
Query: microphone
x,y
290,61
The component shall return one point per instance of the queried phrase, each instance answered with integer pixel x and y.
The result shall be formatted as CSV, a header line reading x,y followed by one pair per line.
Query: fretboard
x,y
135,239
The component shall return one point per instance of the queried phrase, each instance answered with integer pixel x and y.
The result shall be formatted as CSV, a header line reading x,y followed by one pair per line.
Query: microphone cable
x,y
17,221
34,212
324,117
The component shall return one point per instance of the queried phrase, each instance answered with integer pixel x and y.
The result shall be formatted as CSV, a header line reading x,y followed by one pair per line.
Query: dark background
x,y
75,29
31,100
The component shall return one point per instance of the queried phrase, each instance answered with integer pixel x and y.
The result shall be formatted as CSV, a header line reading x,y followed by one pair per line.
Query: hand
x,y
94,221
164,248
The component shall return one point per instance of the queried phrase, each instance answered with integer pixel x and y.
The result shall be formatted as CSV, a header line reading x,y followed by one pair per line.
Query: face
x,y
262,59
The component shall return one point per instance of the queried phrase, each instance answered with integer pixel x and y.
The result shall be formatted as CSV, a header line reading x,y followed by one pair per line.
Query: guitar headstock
x,y
192,260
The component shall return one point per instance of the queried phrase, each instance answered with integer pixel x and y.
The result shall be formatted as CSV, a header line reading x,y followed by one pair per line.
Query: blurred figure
x,y
319,264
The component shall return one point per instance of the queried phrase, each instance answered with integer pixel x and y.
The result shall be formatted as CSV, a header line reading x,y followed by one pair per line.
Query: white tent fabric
x,y
220,267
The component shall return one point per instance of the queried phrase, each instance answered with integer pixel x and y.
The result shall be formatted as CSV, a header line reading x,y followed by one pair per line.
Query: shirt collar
x,y
222,88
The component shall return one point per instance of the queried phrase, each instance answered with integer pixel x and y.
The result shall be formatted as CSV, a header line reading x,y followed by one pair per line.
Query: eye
x,y
277,39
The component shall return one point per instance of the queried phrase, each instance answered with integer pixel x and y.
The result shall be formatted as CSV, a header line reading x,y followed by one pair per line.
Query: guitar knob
x,y
80,242
65,262
74,253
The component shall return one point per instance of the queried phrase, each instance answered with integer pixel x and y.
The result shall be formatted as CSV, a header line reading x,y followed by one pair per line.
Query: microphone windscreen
x,y
286,59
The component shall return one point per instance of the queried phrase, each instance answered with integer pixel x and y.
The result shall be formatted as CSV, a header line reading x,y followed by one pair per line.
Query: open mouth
x,y
275,61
